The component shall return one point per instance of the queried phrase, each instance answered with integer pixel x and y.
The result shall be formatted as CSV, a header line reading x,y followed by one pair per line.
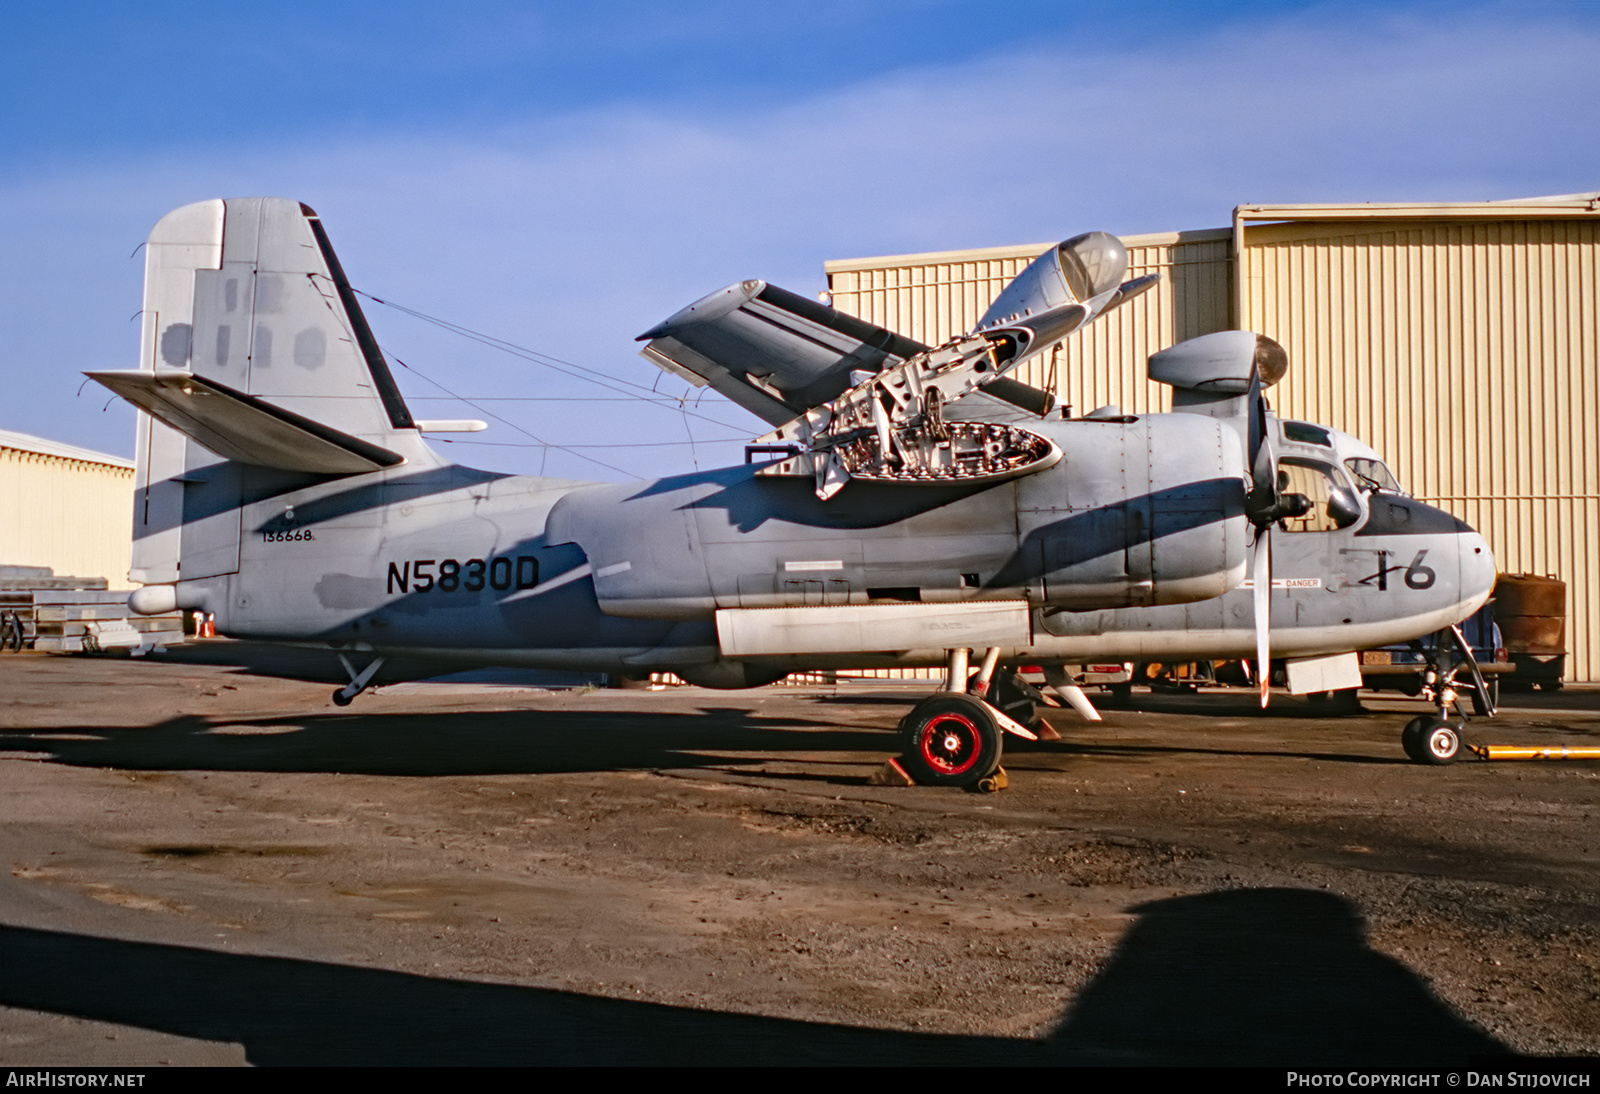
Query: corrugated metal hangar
x,y
65,508
1460,340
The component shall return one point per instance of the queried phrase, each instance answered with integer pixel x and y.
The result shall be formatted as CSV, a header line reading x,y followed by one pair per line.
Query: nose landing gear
x,y
1452,675
1430,740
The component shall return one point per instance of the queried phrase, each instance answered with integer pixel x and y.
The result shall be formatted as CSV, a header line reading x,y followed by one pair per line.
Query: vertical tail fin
x,y
248,293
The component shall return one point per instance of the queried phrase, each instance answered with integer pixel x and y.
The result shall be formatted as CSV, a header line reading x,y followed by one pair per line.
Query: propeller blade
x,y
1261,581
1263,460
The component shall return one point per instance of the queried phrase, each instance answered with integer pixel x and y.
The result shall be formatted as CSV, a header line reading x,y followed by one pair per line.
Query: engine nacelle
x,y
1146,510
1221,363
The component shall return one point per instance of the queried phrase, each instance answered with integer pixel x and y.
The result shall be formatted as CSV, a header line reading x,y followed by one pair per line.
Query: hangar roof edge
x,y
1585,204
25,442
1019,250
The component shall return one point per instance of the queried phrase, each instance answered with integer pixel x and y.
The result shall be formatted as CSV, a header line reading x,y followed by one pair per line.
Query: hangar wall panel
x,y
1465,352
73,515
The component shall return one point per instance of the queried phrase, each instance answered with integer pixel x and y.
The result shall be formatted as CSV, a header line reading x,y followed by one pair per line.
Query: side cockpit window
x,y
1306,433
1333,502
1373,475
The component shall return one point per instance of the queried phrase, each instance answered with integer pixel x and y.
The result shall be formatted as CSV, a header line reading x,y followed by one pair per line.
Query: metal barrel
x,y
1532,613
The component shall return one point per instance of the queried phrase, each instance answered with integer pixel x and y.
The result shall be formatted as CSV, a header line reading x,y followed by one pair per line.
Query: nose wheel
x,y
1431,740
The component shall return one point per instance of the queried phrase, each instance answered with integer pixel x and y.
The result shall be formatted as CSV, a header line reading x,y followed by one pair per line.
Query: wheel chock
x,y
1523,752
992,783
890,774
1046,731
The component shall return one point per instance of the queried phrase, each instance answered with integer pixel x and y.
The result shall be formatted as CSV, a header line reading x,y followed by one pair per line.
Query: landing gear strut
x,y
359,681
1452,675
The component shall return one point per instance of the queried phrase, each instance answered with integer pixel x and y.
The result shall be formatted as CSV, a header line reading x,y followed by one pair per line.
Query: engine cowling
x,y
1141,510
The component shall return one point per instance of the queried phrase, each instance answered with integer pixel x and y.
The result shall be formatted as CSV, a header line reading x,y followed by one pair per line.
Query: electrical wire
x,y
556,364
547,445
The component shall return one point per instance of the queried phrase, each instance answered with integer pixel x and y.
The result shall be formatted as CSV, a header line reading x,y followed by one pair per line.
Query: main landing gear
x,y
1452,675
956,738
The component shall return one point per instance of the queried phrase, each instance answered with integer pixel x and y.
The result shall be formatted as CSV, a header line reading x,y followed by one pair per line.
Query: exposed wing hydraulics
x,y
856,401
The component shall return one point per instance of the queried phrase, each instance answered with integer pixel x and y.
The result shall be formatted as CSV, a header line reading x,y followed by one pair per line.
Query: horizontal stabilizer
x,y
244,428
771,351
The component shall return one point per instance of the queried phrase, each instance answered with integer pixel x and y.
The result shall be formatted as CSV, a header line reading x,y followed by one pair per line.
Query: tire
x,y
1428,740
1413,735
340,699
951,740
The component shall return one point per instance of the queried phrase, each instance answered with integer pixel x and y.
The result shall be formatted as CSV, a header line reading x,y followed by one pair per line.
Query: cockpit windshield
x,y
1332,504
1373,475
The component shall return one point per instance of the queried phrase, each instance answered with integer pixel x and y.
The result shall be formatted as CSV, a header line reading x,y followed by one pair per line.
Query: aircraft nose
x,y
1477,570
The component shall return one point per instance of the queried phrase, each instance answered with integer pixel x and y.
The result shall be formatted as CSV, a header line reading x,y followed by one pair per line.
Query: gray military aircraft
x,y
910,506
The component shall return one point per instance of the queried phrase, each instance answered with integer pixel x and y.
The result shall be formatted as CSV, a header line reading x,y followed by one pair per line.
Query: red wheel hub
x,y
950,744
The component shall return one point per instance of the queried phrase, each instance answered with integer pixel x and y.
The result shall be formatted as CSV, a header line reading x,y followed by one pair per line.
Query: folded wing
x,y
771,351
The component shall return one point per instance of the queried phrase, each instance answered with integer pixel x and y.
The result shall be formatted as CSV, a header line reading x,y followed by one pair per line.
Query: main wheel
x,y
1427,740
951,740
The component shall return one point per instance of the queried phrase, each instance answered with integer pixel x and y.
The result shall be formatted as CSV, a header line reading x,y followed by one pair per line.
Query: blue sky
x,y
565,175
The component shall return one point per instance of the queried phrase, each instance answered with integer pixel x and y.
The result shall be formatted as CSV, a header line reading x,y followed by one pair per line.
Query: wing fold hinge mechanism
x,y
891,427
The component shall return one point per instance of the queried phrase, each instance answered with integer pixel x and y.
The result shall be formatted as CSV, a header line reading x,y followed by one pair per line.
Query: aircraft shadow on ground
x,y
1268,977
1132,751
532,741
451,743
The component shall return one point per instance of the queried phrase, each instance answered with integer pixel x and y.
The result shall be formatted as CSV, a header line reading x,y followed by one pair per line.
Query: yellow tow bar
x,y
1522,752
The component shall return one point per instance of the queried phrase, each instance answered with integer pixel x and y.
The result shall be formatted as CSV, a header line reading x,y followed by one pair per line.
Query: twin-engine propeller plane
x,y
916,505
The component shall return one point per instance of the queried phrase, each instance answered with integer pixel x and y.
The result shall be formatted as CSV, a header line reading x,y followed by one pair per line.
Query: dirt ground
x,y
204,866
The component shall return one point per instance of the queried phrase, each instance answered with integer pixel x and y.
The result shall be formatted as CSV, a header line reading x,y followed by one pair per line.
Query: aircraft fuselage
x,y
1133,546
